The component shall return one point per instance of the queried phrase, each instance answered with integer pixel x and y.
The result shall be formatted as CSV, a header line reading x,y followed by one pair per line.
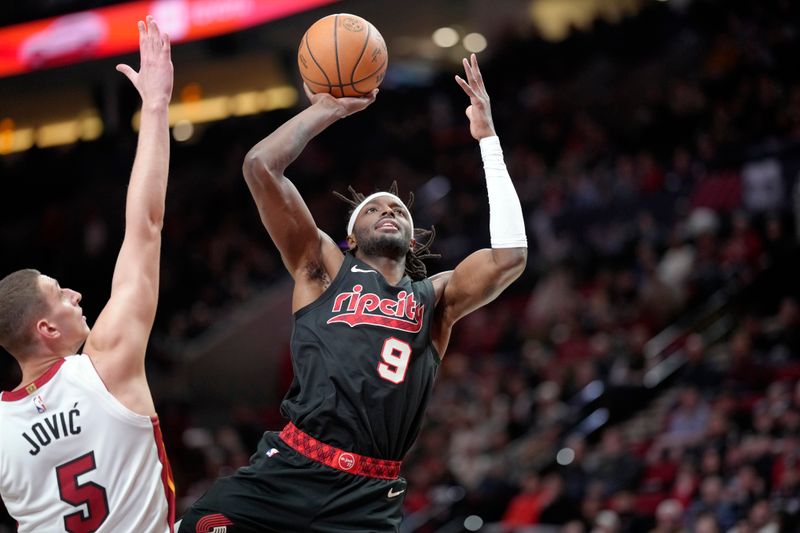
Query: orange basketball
x,y
343,55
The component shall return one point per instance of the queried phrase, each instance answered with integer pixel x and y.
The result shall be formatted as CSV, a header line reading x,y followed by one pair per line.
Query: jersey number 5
x,y
395,356
90,494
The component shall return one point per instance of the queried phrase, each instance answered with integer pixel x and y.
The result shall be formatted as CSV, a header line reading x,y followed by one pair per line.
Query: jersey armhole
x,y
332,288
87,375
427,284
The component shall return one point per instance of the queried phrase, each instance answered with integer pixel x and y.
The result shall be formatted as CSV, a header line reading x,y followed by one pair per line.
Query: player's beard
x,y
394,246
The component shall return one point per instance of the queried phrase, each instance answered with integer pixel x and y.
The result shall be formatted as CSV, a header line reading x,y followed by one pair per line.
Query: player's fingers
x,y
155,33
142,30
464,85
367,100
476,70
307,90
127,71
159,37
166,47
467,70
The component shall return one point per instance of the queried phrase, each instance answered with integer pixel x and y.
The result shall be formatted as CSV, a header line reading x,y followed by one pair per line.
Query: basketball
x,y
343,55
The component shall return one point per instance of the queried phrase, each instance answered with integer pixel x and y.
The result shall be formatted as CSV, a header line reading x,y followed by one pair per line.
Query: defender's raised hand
x,y
154,79
344,106
479,111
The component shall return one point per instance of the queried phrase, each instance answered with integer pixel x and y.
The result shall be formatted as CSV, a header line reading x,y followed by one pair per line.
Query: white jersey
x,y
73,458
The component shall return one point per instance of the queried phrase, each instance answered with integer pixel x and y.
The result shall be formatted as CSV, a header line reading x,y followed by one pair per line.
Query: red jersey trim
x,y
166,473
351,463
38,383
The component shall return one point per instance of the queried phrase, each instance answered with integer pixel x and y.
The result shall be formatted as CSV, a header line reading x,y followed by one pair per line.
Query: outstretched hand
x,y
479,111
344,106
154,79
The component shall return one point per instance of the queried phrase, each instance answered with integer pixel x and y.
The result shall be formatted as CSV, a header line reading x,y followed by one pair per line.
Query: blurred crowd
x,y
656,159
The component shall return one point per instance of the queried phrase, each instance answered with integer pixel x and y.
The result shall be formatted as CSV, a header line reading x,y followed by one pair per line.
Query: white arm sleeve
x,y
506,223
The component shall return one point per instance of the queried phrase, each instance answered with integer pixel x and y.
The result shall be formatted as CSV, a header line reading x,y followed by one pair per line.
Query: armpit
x,y
439,282
315,272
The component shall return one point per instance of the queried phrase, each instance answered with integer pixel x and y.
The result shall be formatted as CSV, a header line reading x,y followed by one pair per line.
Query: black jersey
x,y
363,362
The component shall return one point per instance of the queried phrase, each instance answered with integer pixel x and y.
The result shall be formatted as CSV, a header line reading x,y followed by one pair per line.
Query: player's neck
x,y
392,270
33,368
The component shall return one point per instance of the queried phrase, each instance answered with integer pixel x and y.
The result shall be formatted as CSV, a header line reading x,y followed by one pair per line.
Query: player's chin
x,y
394,238
393,244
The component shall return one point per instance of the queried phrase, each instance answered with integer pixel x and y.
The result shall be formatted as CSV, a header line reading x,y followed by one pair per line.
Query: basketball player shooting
x,y
80,445
370,329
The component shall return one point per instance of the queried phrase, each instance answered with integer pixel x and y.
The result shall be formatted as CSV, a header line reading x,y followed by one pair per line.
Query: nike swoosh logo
x,y
393,494
356,269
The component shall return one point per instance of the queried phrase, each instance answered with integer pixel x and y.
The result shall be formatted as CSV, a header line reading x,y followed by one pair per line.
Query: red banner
x,y
112,30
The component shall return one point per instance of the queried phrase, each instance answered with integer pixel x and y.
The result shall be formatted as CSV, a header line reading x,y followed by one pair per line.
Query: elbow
x,y
512,261
154,223
256,168
145,227
250,166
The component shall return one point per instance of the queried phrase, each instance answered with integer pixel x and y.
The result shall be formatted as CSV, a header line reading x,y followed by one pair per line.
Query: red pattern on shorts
x,y
349,462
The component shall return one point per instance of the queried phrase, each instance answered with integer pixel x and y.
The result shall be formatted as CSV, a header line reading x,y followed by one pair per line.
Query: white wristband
x,y
506,223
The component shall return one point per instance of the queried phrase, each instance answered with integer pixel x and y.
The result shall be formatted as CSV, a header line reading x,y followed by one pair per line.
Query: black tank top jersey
x,y
363,362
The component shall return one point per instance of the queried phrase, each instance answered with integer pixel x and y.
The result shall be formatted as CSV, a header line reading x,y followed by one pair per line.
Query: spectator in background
x,y
668,517
745,489
711,501
631,520
613,465
745,373
782,333
675,265
706,523
557,508
524,509
606,522
575,474
762,519
698,372
762,186
687,423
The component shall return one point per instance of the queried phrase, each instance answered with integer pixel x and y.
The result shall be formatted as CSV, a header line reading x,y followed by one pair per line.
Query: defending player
x,y
80,446
369,332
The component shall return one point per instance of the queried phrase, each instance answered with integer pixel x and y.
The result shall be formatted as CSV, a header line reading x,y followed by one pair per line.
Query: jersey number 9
x,y
395,356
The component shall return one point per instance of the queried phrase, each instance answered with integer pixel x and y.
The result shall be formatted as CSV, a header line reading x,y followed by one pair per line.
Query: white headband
x,y
368,199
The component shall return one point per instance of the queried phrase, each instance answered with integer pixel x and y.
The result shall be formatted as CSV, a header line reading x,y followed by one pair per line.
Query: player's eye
x,y
399,211
371,210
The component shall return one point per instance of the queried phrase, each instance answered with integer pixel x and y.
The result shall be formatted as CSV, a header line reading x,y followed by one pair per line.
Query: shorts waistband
x,y
349,462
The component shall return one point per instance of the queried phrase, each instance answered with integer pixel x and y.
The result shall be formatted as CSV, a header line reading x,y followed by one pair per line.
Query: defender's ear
x,y
351,242
47,330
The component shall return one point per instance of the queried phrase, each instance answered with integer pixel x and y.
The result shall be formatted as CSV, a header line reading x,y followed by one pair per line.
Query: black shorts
x,y
282,491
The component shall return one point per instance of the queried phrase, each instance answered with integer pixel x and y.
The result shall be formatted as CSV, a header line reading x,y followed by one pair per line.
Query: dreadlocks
x,y
415,268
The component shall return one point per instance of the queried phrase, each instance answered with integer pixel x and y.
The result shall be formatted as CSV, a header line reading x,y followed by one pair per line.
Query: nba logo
x,y
39,404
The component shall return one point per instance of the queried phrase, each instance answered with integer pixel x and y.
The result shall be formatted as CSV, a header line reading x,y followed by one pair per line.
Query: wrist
x,y
486,134
156,105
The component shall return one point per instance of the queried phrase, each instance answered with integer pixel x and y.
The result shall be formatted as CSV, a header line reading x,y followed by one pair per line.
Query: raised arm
x,y
119,338
286,217
483,275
